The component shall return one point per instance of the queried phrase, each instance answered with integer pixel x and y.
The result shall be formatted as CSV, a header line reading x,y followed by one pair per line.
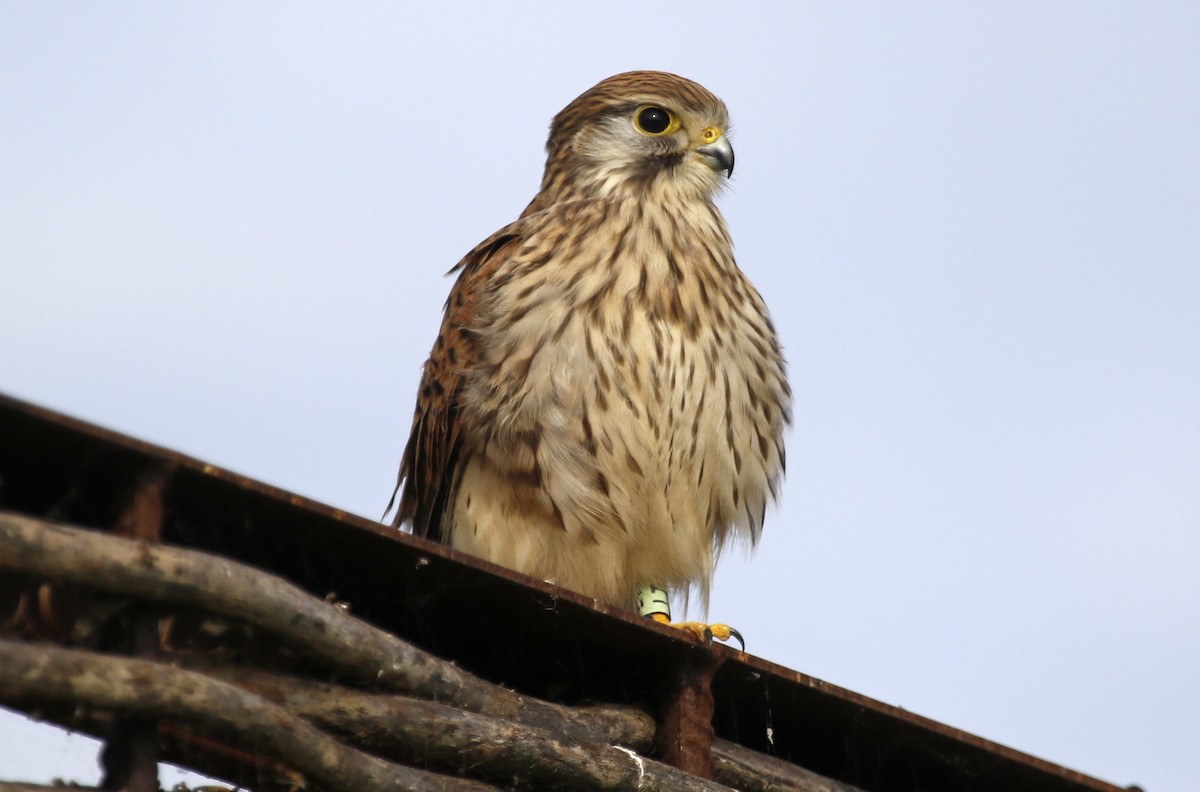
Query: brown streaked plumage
x,y
605,403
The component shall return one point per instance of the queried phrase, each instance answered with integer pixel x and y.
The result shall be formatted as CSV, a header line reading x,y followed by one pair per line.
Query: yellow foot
x,y
704,633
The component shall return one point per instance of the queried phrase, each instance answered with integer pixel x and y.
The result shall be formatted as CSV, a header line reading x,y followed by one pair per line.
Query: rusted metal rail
x,y
721,713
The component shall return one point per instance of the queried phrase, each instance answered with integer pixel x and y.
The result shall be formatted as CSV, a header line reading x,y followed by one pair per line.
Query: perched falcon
x,y
605,403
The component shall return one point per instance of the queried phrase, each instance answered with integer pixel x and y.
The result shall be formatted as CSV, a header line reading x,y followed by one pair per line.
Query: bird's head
x,y
637,134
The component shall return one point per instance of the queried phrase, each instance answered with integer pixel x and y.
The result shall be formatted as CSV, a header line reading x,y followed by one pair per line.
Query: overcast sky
x,y
224,226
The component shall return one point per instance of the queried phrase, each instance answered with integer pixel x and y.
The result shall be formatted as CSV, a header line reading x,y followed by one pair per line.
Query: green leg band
x,y
652,600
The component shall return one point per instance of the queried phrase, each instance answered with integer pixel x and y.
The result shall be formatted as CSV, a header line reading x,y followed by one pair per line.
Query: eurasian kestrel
x,y
605,403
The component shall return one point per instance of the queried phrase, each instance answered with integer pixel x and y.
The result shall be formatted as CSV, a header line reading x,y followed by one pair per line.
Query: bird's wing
x,y
430,463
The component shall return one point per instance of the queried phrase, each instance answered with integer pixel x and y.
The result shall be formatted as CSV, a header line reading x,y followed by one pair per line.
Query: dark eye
x,y
655,121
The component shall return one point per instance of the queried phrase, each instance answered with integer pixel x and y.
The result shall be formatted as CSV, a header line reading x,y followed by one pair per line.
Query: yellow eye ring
x,y
655,121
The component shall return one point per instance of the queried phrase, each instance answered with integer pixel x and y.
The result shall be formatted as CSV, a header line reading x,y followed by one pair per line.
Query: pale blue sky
x,y
223,229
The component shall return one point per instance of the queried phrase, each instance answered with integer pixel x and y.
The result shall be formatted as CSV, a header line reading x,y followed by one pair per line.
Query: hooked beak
x,y
718,155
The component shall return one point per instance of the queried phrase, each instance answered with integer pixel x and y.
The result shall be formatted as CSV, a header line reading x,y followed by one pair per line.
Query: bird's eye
x,y
655,121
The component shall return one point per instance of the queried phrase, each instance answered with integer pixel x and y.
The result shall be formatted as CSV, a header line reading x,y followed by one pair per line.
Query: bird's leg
x,y
654,602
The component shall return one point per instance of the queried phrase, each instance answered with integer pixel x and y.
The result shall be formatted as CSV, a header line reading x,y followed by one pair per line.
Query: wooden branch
x,y
19,786
751,771
147,689
227,588
550,745
451,740
182,745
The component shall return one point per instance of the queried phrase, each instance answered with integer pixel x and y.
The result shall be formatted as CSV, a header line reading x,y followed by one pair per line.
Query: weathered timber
x,y
450,740
17,786
144,688
237,764
321,630
751,771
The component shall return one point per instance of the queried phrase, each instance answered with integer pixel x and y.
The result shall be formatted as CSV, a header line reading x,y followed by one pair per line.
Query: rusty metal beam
x,y
130,754
685,731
